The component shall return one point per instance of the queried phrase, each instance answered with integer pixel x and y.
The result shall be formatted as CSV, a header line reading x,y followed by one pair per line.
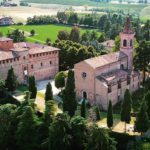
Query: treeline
x,y
111,23
72,53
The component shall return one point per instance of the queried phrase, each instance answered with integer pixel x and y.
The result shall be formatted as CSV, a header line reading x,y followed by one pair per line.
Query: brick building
x,y
107,77
28,59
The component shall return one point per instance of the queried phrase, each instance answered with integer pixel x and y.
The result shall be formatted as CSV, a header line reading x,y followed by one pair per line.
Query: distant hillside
x,y
64,2
76,2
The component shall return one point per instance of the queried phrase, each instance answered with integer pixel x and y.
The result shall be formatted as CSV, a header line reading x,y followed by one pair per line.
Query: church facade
x,y
107,77
28,59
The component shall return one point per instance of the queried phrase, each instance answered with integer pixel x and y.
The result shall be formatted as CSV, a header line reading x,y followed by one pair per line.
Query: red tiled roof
x,y
105,59
4,55
33,48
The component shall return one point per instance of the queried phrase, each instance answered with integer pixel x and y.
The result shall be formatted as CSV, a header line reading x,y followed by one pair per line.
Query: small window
x,y
119,84
41,64
125,43
128,80
109,88
24,57
50,62
121,66
32,67
84,75
131,43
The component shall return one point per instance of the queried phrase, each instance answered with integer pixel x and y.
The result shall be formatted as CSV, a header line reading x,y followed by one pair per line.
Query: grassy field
x,y
42,32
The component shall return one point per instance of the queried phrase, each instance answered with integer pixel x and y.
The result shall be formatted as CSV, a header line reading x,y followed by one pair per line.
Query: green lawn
x,y
42,31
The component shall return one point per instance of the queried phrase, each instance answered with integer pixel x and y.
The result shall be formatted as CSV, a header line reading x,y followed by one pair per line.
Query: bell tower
x,y
127,41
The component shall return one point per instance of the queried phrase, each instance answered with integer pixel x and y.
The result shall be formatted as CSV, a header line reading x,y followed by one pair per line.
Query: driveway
x,y
41,87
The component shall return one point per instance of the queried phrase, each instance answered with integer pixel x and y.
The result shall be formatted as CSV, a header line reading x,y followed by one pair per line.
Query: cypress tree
x,y
142,123
147,99
83,109
69,95
126,108
49,92
97,111
11,82
26,133
32,87
110,115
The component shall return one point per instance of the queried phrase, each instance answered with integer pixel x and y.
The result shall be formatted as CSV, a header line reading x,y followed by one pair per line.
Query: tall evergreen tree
x,y
79,133
142,123
59,137
49,112
26,132
97,112
147,100
100,140
110,115
11,82
126,108
69,95
7,116
142,57
49,92
83,109
32,87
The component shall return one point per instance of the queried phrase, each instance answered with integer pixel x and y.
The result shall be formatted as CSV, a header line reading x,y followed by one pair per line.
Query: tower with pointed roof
x,y
127,41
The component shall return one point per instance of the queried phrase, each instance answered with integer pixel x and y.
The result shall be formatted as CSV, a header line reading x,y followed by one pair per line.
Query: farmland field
x,y
42,32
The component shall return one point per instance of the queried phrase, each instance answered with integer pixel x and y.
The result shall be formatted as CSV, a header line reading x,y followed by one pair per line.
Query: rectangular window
x,y
109,88
32,67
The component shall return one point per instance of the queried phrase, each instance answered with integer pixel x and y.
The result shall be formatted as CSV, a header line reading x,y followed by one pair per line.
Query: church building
x,y
107,77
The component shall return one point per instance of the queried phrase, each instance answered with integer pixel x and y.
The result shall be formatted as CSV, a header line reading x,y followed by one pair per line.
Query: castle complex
x,y
28,59
107,77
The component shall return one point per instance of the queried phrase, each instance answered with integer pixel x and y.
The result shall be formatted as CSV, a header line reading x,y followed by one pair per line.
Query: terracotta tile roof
x,y
105,59
4,55
33,48
113,76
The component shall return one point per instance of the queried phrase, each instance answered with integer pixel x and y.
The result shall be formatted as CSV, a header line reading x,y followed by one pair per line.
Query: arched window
x,y
84,95
125,43
131,43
